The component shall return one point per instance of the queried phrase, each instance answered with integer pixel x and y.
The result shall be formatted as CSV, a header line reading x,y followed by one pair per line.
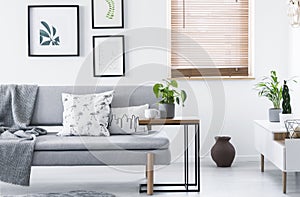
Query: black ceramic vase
x,y
223,152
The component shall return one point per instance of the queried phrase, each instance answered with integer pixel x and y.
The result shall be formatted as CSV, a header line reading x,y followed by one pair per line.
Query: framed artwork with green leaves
x,y
53,30
107,14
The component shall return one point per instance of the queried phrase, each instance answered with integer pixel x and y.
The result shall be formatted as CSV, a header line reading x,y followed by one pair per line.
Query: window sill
x,y
216,78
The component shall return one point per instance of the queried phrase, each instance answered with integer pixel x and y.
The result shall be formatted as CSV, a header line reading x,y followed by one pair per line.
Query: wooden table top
x,y
172,121
278,130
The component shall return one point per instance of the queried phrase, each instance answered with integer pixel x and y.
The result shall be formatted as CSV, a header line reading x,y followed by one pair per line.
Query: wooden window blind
x,y
209,38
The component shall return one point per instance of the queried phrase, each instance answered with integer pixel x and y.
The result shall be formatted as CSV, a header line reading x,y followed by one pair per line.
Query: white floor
x,y
243,179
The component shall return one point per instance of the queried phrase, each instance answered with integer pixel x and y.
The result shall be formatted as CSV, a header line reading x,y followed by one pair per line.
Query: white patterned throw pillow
x,y
138,111
125,120
86,114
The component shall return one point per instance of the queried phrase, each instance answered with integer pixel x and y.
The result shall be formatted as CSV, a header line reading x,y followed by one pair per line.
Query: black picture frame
x,y
75,40
121,14
106,42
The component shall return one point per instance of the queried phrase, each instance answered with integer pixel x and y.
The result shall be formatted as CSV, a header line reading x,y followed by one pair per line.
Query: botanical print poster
x,y
107,13
109,58
53,30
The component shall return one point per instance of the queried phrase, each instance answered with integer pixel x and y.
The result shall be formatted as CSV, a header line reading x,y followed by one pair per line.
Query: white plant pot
x,y
284,117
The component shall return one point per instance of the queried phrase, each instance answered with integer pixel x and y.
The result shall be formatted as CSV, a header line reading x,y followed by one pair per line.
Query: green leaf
x,y
183,96
170,96
270,87
46,43
56,43
41,39
57,40
174,83
168,92
46,26
44,34
177,100
54,31
156,89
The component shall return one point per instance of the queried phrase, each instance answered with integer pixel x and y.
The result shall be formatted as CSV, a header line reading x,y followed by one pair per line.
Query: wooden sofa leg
x,y
149,173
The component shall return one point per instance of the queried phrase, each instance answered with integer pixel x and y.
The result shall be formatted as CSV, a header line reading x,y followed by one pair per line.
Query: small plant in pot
x,y
169,94
270,87
286,105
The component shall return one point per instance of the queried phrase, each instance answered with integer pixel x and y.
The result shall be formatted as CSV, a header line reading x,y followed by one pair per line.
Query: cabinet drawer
x,y
273,151
292,149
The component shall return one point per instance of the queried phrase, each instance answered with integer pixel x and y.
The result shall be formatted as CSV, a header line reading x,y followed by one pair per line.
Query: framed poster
x,y
109,56
107,14
53,30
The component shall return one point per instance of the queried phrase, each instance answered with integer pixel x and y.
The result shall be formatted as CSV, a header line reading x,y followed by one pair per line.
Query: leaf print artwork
x,y
48,36
111,9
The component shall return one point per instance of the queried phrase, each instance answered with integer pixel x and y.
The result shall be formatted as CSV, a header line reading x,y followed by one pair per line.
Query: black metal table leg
x,y
197,136
186,186
186,156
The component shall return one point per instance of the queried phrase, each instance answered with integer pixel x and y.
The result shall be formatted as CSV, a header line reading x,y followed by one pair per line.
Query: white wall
x,y
227,107
294,68
270,52
17,67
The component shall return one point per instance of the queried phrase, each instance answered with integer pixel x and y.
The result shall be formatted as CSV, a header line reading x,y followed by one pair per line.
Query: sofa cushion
x,y
99,157
116,142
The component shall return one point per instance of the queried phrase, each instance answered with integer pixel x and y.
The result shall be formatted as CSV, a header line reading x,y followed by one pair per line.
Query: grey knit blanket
x,y
17,139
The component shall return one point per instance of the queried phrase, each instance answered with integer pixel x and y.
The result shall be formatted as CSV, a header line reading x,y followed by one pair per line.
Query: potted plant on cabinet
x,y
286,106
270,87
169,95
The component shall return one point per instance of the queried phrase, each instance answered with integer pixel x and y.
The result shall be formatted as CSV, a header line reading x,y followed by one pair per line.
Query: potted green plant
x,y
168,94
286,105
270,87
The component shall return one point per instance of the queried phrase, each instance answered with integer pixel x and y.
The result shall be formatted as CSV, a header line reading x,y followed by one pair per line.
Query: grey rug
x,y
77,193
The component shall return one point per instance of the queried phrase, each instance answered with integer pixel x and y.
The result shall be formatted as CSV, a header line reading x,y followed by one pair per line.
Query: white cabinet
x,y
292,159
272,143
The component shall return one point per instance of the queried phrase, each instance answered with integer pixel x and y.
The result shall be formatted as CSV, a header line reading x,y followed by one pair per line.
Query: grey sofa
x,y
51,150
